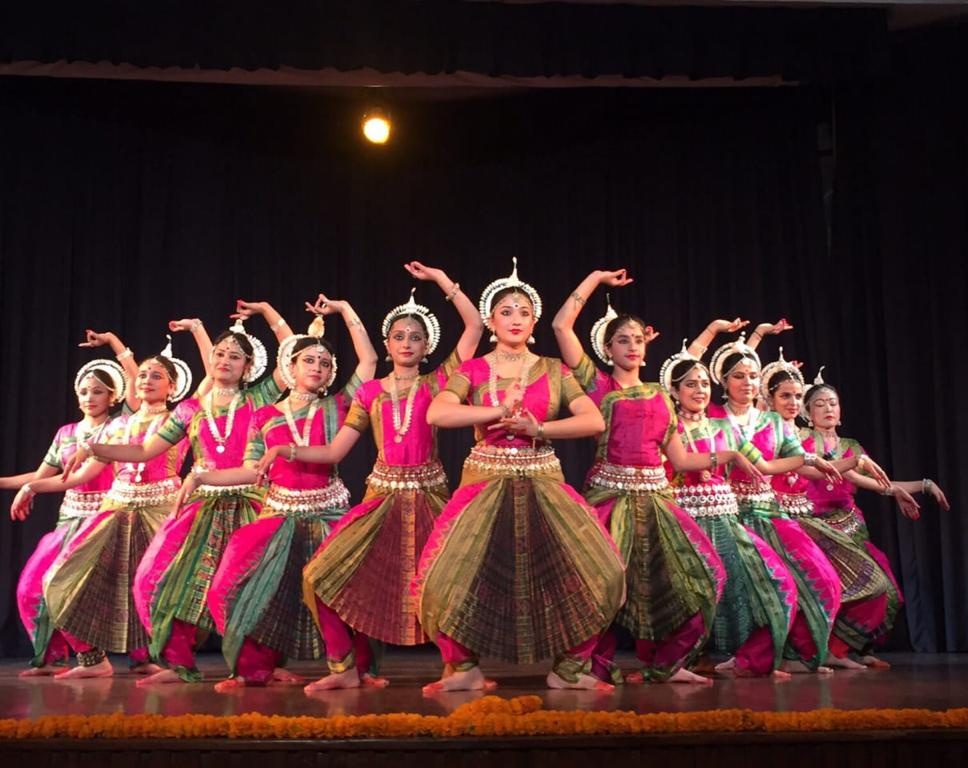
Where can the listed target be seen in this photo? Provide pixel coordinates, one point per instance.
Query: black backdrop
(123, 205)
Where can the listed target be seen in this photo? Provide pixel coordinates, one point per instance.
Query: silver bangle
(30, 491)
(278, 323)
(196, 324)
(926, 485)
(809, 459)
(124, 354)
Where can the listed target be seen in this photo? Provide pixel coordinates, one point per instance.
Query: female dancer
(864, 585)
(255, 595)
(736, 367)
(759, 598)
(517, 566)
(173, 579)
(88, 587)
(835, 505)
(99, 385)
(363, 571)
(673, 575)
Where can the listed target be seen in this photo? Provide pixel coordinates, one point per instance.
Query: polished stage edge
(925, 681)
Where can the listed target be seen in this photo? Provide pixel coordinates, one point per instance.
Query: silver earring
(388, 358)
(610, 361)
(642, 364)
(424, 359)
(493, 339)
(530, 339)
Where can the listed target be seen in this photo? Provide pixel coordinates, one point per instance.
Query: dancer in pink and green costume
(99, 385)
(674, 577)
(518, 565)
(256, 594)
(173, 578)
(836, 506)
(759, 598)
(360, 579)
(736, 367)
(88, 587)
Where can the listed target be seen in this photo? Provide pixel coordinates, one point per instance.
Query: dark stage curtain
(443, 36)
(123, 206)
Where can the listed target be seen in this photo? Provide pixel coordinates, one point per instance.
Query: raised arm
(365, 353)
(763, 329)
(564, 321)
(701, 343)
(197, 329)
(123, 355)
(277, 324)
(473, 325)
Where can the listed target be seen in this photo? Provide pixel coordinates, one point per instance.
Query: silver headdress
(183, 380)
(119, 381)
(284, 357)
(665, 372)
(597, 335)
(413, 308)
(780, 365)
(512, 281)
(260, 358)
(719, 358)
(817, 382)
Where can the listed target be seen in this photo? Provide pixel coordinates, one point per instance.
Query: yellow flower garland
(489, 716)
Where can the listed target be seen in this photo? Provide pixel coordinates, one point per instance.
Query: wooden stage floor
(915, 681)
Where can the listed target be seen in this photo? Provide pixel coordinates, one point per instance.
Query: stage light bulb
(376, 126)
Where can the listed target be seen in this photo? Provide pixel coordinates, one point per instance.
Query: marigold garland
(488, 716)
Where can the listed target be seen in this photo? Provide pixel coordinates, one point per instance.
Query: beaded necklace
(158, 415)
(401, 426)
(209, 412)
(299, 439)
(703, 425)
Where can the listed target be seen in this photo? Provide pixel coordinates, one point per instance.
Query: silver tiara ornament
(285, 354)
(719, 358)
(419, 310)
(119, 381)
(597, 334)
(780, 365)
(817, 382)
(512, 281)
(260, 358)
(665, 372)
(183, 380)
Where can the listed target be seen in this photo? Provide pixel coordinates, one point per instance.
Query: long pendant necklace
(300, 439)
(705, 476)
(209, 412)
(401, 426)
(158, 416)
(492, 379)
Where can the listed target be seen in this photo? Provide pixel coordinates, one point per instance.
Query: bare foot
(635, 678)
(163, 676)
(685, 676)
(229, 684)
(874, 663)
(842, 662)
(348, 679)
(146, 668)
(48, 670)
(469, 680)
(373, 681)
(727, 666)
(102, 669)
(583, 683)
(704, 666)
(282, 675)
(779, 675)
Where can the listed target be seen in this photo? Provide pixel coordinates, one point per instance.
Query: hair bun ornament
(780, 365)
(597, 334)
(119, 381)
(285, 354)
(512, 281)
(719, 357)
(419, 310)
(260, 358)
(183, 381)
(665, 372)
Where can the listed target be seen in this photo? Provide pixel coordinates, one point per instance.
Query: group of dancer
(702, 530)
